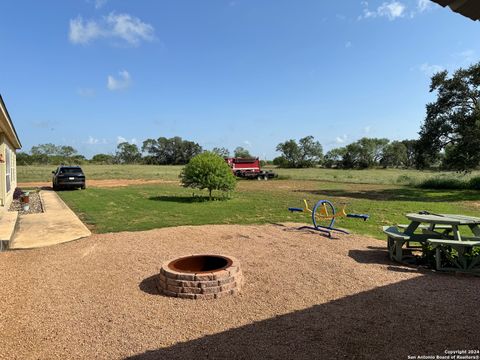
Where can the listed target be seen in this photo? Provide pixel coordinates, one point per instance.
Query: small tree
(223, 152)
(208, 171)
(307, 153)
(394, 155)
(105, 159)
(241, 152)
(128, 153)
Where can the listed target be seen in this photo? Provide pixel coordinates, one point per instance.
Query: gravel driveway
(305, 297)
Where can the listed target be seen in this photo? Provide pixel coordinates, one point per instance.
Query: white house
(9, 143)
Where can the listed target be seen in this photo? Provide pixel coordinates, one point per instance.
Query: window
(8, 163)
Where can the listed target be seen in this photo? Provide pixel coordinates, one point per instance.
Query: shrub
(443, 183)
(405, 179)
(208, 171)
(474, 183)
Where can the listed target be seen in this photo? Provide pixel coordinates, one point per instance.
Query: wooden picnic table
(450, 220)
(442, 232)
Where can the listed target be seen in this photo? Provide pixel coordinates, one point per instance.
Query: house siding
(8, 175)
(9, 143)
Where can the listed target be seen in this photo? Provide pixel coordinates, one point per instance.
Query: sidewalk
(57, 224)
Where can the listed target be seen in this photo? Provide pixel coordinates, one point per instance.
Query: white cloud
(121, 139)
(121, 83)
(82, 32)
(121, 26)
(391, 10)
(430, 69)
(94, 141)
(129, 28)
(247, 143)
(423, 5)
(341, 139)
(367, 129)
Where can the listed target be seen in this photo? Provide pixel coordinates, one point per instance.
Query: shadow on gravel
(425, 315)
(372, 256)
(376, 255)
(149, 285)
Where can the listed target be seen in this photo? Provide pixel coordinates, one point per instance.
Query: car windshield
(71, 170)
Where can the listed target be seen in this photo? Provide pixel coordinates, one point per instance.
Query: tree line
(307, 152)
(161, 151)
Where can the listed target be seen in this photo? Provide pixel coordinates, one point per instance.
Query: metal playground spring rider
(324, 215)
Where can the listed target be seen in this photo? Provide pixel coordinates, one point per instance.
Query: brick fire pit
(200, 277)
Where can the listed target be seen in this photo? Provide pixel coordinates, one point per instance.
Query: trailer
(248, 168)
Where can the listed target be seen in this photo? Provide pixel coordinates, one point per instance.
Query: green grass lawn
(154, 206)
(98, 172)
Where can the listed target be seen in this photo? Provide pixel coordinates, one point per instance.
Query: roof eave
(17, 144)
(467, 8)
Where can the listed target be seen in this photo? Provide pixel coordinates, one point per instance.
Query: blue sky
(226, 73)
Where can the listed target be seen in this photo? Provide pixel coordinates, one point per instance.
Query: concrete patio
(56, 225)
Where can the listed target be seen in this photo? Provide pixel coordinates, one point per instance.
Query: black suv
(68, 177)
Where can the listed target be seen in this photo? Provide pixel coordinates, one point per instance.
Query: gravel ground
(305, 297)
(35, 204)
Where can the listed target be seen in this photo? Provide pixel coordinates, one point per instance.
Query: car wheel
(83, 187)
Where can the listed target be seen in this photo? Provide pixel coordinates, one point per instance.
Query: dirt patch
(305, 296)
(103, 183)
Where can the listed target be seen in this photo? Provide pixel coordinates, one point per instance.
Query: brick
(204, 277)
(186, 296)
(162, 277)
(226, 281)
(169, 293)
(233, 270)
(188, 277)
(220, 275)
(188, 283)
(174, 282)
(191, 290)
(205, 296)
(173, 288)
(211, 290)
(207, 284)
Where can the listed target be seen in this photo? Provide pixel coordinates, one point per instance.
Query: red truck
(248, 168)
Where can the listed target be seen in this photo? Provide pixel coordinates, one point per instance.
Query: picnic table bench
(466, 260)
(441, 232)
(398, 241)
